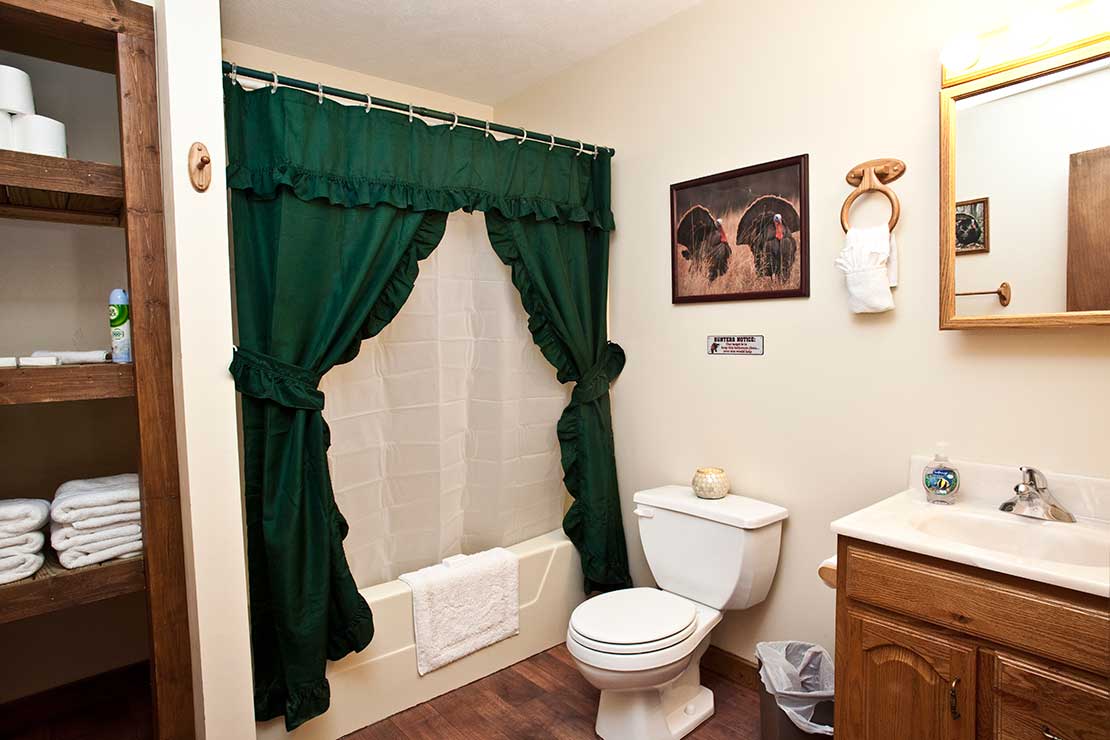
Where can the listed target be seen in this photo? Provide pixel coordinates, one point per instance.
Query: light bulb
(960, 53)
(1031, 31)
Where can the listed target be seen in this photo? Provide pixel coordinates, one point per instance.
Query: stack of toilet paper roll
(20, 128)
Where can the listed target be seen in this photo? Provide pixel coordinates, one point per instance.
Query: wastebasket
(796, 692)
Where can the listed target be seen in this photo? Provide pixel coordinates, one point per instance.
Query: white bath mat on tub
(462, 605)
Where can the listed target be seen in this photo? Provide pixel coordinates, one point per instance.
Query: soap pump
(940, 479)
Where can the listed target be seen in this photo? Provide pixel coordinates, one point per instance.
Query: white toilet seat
(705, 620)
(633, 621)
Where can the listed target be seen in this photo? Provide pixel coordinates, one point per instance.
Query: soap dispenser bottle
(940, 479)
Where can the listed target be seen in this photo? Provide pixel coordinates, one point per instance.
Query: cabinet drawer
(1034, 702)
(1003, 610)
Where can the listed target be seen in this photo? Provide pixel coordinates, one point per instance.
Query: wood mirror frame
(965, 86)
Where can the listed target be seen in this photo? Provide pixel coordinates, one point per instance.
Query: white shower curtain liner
(443, 428)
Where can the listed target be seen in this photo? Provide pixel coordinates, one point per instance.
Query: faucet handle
(1034, 478)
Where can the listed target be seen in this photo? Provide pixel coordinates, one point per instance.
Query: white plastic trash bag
(798, 675)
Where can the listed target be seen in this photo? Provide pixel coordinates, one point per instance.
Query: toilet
(642, 646)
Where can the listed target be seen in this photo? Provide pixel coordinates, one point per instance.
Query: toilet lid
(643, 617)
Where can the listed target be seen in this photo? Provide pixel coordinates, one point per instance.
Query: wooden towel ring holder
(873, 175)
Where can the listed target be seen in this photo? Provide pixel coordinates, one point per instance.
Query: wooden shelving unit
(54, 189)
(114, 36)
(65, 383)
(54, 588)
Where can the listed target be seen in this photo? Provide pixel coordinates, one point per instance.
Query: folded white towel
(19, 566)
(83, 499)
(63, 536)
(74, 358)
(9, 362)
(21, 544)
(869, 261)
(96, 522)
(98, 552)
(29, 361)
(464, 606)
(22, 515)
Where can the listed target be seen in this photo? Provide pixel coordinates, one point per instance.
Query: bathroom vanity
(965, 622)
(937, 650)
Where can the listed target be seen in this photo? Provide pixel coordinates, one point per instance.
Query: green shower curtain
(332, 209)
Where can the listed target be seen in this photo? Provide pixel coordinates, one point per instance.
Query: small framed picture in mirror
(973, 226)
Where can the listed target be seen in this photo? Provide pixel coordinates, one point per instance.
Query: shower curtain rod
(232, 70)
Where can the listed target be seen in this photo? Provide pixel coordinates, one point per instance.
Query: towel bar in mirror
(1025, 154)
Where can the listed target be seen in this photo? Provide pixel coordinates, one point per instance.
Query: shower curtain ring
(454, 122)
(523, 138)
(596, 150)
(320, 93)
(581, 149)
(369, 102)
(552, 144)
(487, 129)
(274, 84)
(410, 112)
(234, 76)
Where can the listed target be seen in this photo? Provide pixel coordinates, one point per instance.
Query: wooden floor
(546, 697)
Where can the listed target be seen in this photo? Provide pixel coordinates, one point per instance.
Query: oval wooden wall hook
(200, 167)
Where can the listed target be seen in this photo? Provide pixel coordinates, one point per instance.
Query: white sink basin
(1075, 556)
(1028, 539)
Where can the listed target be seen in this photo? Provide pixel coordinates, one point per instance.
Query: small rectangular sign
(734, 344)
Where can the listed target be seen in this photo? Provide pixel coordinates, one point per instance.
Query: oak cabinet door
(1040, 702)
(903, 683)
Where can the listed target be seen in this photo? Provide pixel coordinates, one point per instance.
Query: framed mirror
(1025, 193)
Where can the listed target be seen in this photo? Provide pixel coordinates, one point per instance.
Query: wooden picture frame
(742, 234)
(982, 222)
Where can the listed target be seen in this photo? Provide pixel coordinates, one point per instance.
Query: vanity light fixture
(960, 53)
(1031, 31)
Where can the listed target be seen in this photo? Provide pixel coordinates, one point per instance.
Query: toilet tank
(719, 552)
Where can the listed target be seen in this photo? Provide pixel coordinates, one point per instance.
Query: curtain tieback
(263, 376)
(594, 383)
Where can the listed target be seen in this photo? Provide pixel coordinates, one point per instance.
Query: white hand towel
(869, 261)
(463, 607)
(17, 567)
(83, 499)
(21, 544)
(22, 515)
(98, 552)
(74, 358)
(63, 537)
(96, 522)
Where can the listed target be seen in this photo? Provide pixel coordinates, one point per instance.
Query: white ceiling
(480, 50)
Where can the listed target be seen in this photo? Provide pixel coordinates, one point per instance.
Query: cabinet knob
(1049, 735)
(954, 698)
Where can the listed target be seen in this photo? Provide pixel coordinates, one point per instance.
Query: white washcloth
(96, 522)
(74, 358)
(63, 536)
(17, 567)
(9, 362)
(869, 261)
(22, 515)
(463, 607)
(21, 544)
(94, 497)
(98, 552)
(29, 361)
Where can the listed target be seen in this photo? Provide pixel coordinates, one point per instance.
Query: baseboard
(736, 669)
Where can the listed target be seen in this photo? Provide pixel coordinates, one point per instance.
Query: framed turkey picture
(742, 235)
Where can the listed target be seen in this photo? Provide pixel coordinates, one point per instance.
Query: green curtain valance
(352, 158)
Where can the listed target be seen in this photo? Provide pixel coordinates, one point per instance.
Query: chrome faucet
(1032, 499)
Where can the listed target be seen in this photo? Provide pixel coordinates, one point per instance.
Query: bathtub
(382, 679)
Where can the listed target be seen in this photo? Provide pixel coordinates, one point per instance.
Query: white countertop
(974, 532)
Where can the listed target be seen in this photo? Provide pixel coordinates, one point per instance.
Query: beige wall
(825, 422)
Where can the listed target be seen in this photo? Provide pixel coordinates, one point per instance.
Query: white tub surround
(973, 531)
(382, 680)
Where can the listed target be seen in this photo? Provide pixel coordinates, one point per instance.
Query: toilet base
(665, 712)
